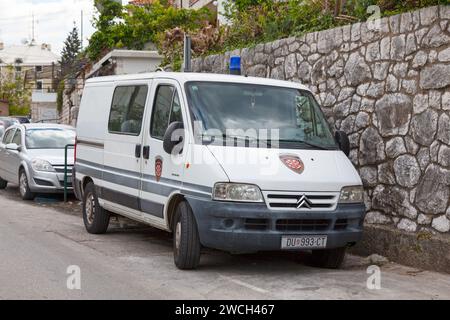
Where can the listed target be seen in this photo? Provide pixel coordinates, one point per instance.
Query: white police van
(233, 163)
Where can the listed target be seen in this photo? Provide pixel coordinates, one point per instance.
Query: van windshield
(287, 117)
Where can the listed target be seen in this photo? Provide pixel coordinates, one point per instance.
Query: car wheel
(96, 219)
(3, 184)
(328, 258)
(186, 241)
(24, 187)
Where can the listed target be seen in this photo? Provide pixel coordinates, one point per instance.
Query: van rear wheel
(328, 258)
(96, 219)
(186, 241)
(3, 184)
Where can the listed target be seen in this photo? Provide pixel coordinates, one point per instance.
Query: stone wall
(387, 84)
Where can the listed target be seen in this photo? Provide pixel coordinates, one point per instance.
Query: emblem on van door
(158, 168)
(293, 162)
(304, 202)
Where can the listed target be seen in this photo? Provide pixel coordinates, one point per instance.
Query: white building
(36, 63)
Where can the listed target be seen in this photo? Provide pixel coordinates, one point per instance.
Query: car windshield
(49, 138)
(248, 112)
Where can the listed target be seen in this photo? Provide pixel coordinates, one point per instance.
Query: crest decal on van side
(158, 168)
(293, 162)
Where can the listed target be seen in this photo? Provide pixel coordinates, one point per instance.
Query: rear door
(161, 172)
(123, 144)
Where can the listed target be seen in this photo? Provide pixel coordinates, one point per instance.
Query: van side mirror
(173, 137)
(343, 142)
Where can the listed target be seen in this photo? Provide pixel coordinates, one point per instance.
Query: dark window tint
(8, 136)
(127, 109)
(167, 109)
(17, 138)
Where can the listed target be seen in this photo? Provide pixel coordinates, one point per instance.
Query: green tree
(133, 27)
(70, 52)
(12, 89)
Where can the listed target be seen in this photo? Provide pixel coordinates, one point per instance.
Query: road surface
(38, 243)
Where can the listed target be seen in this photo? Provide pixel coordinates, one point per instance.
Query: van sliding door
(123, 146)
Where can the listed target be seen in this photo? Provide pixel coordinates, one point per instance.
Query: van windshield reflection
(236, 114)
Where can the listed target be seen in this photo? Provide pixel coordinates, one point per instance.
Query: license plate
(303, 242)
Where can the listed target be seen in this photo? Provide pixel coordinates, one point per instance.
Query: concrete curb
(419, 250)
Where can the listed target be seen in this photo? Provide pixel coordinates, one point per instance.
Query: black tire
(328, 258)
(186, 241)
(3, 184)
(96, 219)
(24, 187)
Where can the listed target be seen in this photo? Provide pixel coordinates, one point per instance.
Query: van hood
(324, 170)
(54, 156)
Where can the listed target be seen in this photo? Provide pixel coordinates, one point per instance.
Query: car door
(122, 147)
(161, 172)
(14, 156)
(5, 156)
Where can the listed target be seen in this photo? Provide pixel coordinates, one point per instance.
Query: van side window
(127, 110)
(17, 138)
(8, 136)
(166, 109)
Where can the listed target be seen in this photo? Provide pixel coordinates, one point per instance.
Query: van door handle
(137, 151)
(146, 152)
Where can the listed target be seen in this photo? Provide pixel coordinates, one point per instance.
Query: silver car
(32, 156)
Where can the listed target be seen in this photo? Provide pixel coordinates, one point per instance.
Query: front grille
(69, 183)
(60, 169)
(256, 224)
(309, 201)
(302, 224)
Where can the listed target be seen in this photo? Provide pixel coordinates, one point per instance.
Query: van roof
(184, 77)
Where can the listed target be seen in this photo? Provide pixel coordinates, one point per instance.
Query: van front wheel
(186, 241)
(3, 184)
(328, 258)
(96, 219)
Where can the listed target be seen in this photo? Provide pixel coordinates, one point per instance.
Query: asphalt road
(38, 242)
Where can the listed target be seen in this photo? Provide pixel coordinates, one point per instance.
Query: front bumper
(249, 227)
(49, 182)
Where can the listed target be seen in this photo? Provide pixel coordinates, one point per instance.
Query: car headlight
(237, 192)
(42, 165)
(352, 194)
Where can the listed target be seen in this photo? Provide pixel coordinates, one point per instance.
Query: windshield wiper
(306, 143)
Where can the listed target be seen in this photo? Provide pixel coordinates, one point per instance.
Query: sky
(54, 19)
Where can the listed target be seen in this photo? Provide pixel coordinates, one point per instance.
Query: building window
(39, 85)
(38, 68)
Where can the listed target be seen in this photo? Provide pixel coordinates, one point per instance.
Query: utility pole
(32, 29)
(81, 27)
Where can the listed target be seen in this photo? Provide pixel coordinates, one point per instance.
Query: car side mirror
(343, 142)
(174, 137)
(13, 147)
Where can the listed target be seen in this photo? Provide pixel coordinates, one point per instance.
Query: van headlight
(352, 194)
(237, 192)
(42, 165)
